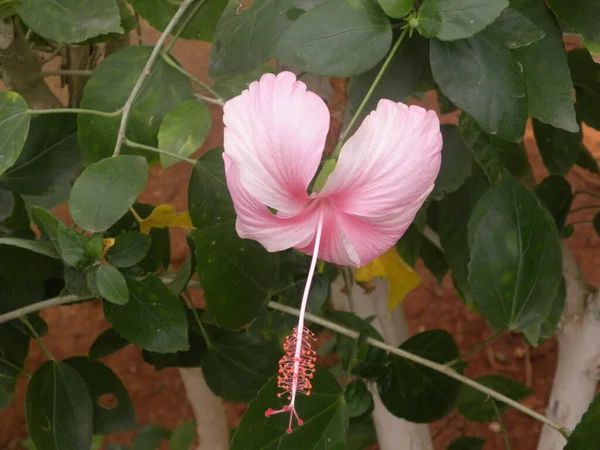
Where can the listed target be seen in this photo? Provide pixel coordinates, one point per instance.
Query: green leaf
(582, 19)
(359, 398)
(559, 148)
(361, 434)
(14, 126)
(105, 191)
(182, 276)
(199, 23)
(108, 89)
(232, 86)
(587, 160)
(449, 20)
(585, 73)
(50, 158)
(209, 201)
(111, 284)
(466, 443)
(40, 247)
(113, 409)
(183, 131)
(397, 8)
(245, 261)
(324, 413)
(362, 38)
(76, 249)
(107, 343)
(539, 333)
(183, 437)
(479, 407)
(7, 203)
(70, 21)
(587, 433)
(236, 366)
(59, 408)
(150, 438)
(409, 245)
(153, 318)
(483, 78)
(516, 264)
(129, 249)
(414, 392)
(16, 253)
(188, 358)
(36, 322)
(47, 223)
(14, 347)
(555, 194)
(548, 84)
(456, 163)
(514, 30)
(18, 293)
(399, 79)
(245, 37)
(76, 282)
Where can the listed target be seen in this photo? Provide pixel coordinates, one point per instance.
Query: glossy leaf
(14, 126)
(457, 19)
(40, 247)
(70, 21)
(76, 249)
(47, 223)
(539, 333)
(414, 392)
(514, 30)
(456, 163)
(466, 443)
(397, 8)
(582, 19)
(236, 366)
(50, 157)
(14, 347)
(324, 413)
(59, 408)
(129, 249)
(186, 359)
(108, 89)
(105, 191)
(107, 343)
(358, 398)
(585, 73)
(183, 131)
(555, 194)
(113, 409)
(516, 266)
(587, 433)
(477, 406)
(243, 260)
(111, 285)
(153, 318)
(434, 259)
(363, 37)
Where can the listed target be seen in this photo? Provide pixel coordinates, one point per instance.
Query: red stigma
(289, 431)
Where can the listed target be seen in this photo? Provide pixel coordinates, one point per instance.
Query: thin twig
(68, 73)
(158, 150)
(37, 337)
(214, 101)
(93, 112)
(145, 73)
(477, 348)
(21, 312)
(52, 55)
(432, 237)
(184, 24)
(502, 427)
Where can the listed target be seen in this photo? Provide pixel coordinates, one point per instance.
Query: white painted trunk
(211, 422)
(392, 433)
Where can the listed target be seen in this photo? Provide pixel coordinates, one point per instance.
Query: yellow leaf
(401, 277)
(106, 245)
(164, 216)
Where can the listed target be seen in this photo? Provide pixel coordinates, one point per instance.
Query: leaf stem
(30, 327)
(184, 24)
(135, 215)
(158, 150)
(39, 112)
(167, 58)
(68, 73)
(360, 108)
(502, 427)
(190, 305)
(476, 348)
(214, 101)
(145, 73)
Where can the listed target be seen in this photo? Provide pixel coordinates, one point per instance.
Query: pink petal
(255, 221)
(275, 134)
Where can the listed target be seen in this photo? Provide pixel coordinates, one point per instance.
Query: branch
(56, 301)
(145, 72)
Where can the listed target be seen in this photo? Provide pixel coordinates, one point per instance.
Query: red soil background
(159, 397)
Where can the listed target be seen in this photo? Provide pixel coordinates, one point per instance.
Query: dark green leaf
(483, 78)
(183, 437)
(68, 21)
(245, 261)
(150, 438)
(358, 398)
(59, 408)
(7, 203)
(516, 265)
(159, 254)
(324, 413)
(16, 253)
(434, 259)
(514, 30)
(236, 366)
(50, 157)
(544, 65)
(555, 194)
(229, 87)
(129, 249)
(477, 406)
(39, 247)
(113, 410)
(153, 318)
(183, 131)
(188, 358)
(245, 37)
(587, 160)
(466, 443)
(76, 282)
(76, 249)
(457, 19)
(105, 191)
(182, 276)
(397, 8)
(199, 23)
(456, 163)
(414, 392)
(362, 38)
(36, 322)
(14, 125)
(409, 246)
(361, 434)
(209, 201)
(111, 284)
(47, 223)
(16, 294)
(582, 18)
(14, 347)
(585, 73)
(587, 433)
(107, 343)
(539, 333)
(108, 89)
